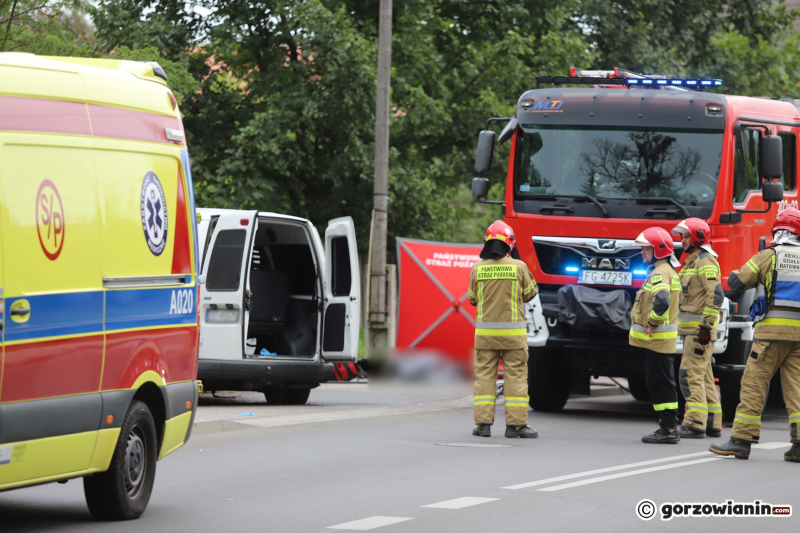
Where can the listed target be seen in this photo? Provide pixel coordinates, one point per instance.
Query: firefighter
(775, 274)
(498, 286)
(697, 323)
(654, 329)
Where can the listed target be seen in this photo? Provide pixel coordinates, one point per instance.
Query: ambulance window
(789, 142)
(211, 225)
(225, 268)
(341, 266)
(745, 165)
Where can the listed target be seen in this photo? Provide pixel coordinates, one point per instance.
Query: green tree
(34, 26)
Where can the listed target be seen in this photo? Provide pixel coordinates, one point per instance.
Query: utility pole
(378, 332)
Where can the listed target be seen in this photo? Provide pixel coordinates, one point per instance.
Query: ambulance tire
(549, 379)
(638, 387)
(123, 491)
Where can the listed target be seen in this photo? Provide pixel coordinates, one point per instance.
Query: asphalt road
(400, 460)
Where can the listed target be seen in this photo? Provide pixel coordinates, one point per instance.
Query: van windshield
(618, 163)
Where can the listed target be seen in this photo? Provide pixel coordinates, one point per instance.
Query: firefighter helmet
(659, 239)
(500, 231)
(788, 219)
(499, 240)
(697, 230)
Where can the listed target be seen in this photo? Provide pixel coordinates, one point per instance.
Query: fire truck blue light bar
(678, 82)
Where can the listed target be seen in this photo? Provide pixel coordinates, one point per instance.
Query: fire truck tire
(638, 387)
(549, 379)
(123, 491)
(730, 383)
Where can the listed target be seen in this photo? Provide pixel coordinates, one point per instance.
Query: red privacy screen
(434, 310)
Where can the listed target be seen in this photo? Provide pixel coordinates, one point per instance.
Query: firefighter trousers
(660, 372)
(697, 385)
(515, 379)
(765, 359)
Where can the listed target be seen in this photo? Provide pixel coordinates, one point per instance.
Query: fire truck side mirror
(770, 159)
(480, 187)
(483, 157)
(772, 191)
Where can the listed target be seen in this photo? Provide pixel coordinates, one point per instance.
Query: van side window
(745, 165)
(789, 142)
(341, 267)
(225, 269)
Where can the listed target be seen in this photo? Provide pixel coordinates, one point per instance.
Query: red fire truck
(591, 167)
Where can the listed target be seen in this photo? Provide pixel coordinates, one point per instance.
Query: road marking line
(460, 503)
(632, 473)
(365, 524)
(473, 445)
(604, 470)
(771, 445)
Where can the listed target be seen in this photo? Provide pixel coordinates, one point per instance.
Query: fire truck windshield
(617, 163)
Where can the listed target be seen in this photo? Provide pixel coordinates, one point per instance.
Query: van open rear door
(342, 319)
(222, 303)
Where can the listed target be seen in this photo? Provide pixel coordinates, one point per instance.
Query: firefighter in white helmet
(697, 324)
(498, 286)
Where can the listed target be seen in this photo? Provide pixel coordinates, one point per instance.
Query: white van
(277, 308)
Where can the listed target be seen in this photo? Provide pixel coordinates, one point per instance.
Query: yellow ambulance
(98, 269)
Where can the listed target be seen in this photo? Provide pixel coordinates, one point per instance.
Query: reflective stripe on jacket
(656, 307)
(499, 288)
(702, 293)
(781, 322)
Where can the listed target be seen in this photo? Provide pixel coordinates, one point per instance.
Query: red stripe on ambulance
(120, 123)
(42, 115)
(181, 256)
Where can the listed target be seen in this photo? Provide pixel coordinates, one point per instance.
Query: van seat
(270, 299)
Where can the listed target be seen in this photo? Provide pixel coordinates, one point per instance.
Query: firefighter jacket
(656, 307)
(775, 274)
(499, 287)
(702, 293)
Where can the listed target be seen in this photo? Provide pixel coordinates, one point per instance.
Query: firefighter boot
(482, 430)
(686, 432)
(710, 430)
(523, 432)
(735, 447)
(667, 432)
(793, 454)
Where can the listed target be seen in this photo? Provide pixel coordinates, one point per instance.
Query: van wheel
(549, 379)
(287, 397)
(297, 397)
(638, 388)
(123, 491)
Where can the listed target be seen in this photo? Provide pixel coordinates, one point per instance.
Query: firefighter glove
(704, 336)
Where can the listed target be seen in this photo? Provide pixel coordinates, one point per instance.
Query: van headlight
(222, 316)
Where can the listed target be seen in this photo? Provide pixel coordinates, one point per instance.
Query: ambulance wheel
(638, 387)
(123, 491)
(549, 380)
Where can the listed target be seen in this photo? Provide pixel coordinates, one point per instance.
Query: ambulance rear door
(342, 318)
(223, 293)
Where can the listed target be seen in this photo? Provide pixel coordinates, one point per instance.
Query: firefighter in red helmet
(775, 274)
(654, 329)
(697, 324)
(498, 286)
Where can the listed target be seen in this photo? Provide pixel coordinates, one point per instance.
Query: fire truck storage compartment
(283, 283)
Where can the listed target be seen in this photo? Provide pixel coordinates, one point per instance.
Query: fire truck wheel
(638, 388)
(730, 383)
(122, 491)
(549, 379)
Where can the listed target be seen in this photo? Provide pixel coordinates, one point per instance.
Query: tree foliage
(278, 96)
